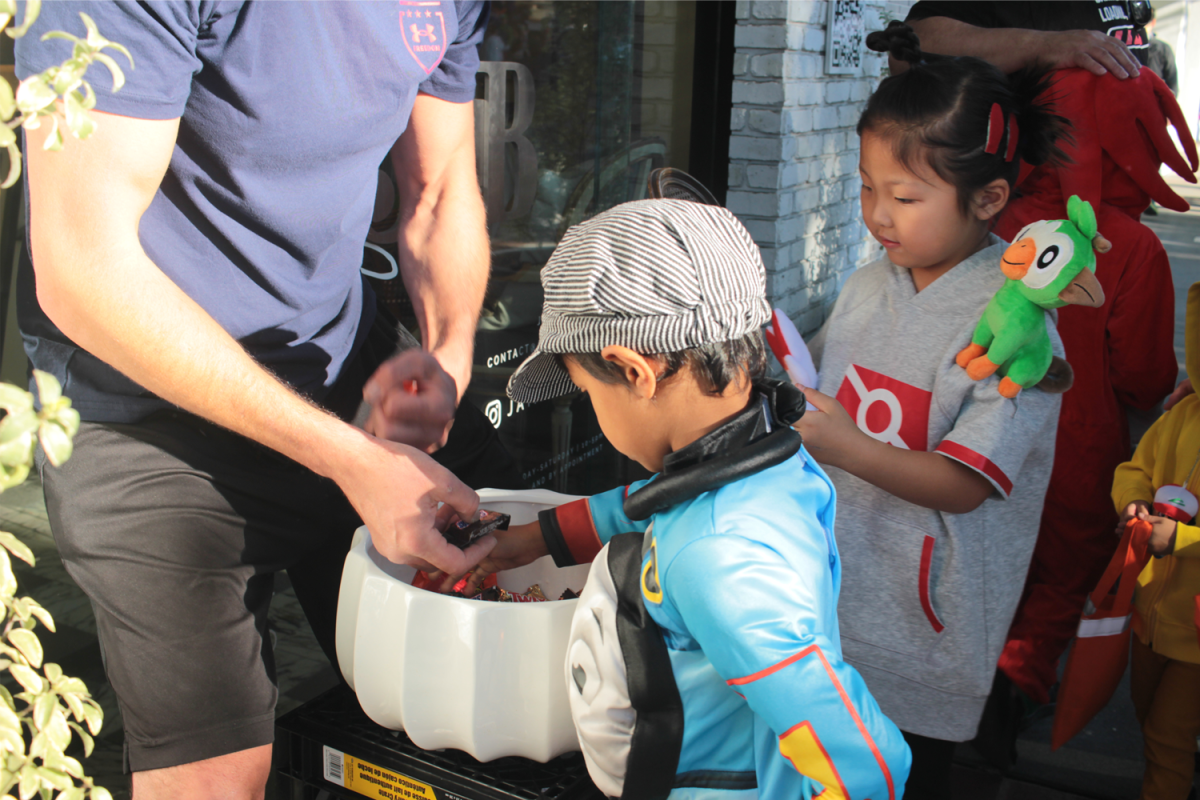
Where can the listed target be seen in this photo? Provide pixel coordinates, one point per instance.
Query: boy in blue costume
(655, 308)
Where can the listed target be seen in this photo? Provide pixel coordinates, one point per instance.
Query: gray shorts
(174, 529)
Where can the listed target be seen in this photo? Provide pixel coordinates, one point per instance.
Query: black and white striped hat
(657, 276)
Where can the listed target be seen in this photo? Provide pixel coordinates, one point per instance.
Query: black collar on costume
(756, 439)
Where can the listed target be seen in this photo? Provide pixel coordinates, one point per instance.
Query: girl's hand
(515, 547)
(1162, 540)
(1138, 509)
(829, 433)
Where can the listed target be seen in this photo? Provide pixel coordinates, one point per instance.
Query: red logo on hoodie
(885, 408)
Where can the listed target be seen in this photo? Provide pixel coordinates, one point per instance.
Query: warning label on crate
(372, 781)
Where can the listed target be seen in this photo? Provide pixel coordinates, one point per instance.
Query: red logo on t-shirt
(424, 29)
(886, 409)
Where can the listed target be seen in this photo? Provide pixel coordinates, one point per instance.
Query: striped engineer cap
(657, 276)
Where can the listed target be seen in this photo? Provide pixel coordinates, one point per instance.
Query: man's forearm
(445, 259)
(1010, 49)
(443, 243)
(120, 307)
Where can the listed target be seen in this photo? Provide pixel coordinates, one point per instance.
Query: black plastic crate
(401, 769)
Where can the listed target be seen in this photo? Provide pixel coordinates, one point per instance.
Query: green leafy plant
(59, 93)
(38, 724)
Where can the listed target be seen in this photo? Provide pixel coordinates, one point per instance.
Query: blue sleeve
(759, 621)
(608, 512)
(161, 37)
(454, 78)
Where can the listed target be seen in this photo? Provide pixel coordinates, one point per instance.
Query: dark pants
(929, 778)
(174, 528)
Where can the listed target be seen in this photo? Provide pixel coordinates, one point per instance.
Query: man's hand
(396, 490)
(1181, 391)
(412, 401)
(1012, 49)
(1094, 51)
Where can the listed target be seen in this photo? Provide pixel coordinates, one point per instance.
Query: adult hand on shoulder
(1094, 51)
(396, 490)
(412, 401)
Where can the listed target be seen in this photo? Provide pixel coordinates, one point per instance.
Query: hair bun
(898, 40)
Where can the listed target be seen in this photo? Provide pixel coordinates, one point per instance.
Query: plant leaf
(14, 398)
(43, 709)
(27, 642)
(93, 716)
(88, 741)
(8, 581)
(14, 167)
(57, 730)
(34, 93)
(18, 423)
(42, 614)
(55, 442)
(16, 547)
(100, 793)
(32, 9)
(26, 677)
(67, 417)
(117, 75)
(29, 782)
(48, 387)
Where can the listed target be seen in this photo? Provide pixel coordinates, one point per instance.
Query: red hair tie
(995, 129)
(1013, 133)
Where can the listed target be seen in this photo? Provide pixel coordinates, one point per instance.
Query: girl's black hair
(715, 365)
(938, 110)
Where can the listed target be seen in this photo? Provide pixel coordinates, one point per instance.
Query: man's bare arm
(444, 249)
(99, 287)
(1010, 49)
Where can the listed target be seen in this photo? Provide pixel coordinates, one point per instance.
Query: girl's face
(915, 216)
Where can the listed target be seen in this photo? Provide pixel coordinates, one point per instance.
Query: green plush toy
(1050, 264)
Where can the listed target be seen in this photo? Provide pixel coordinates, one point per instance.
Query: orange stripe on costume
(803, 748)
(578, 530)
(862, 728)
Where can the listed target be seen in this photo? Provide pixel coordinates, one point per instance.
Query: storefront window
(577, 103)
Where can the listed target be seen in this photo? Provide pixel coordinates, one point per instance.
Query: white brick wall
(793, 153)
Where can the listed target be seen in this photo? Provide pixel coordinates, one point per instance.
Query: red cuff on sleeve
(578, 530)
(976, 461)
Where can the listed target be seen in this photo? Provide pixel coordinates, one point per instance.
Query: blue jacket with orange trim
(743, 582)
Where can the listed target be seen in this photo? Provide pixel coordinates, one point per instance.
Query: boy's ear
(991, 199)
(639, 372)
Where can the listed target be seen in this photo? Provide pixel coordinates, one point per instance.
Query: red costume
(1122, 353)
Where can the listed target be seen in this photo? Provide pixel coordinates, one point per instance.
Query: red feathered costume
(1122, 353)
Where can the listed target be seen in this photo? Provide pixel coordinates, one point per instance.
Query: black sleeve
(1170, 74)
(979, 14)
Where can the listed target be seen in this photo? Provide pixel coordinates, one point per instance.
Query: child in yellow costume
(1160, 485)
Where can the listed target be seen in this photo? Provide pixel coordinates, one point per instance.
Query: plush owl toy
(1050, 264)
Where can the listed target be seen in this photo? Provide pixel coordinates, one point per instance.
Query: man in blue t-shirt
(195, 285)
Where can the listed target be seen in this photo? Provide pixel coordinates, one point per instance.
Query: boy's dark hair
(939, 109)
(715, 365)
